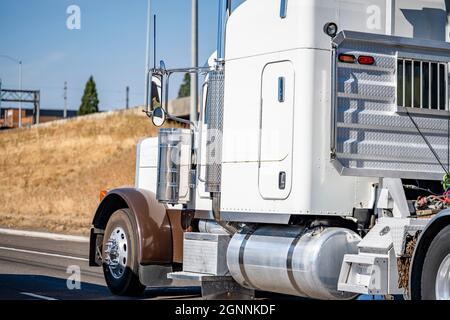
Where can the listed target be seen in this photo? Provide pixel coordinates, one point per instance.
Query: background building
(9, 117)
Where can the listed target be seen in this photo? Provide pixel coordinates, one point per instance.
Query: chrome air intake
(292, 260)
(174, 161)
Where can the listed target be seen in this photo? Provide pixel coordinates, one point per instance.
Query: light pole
(19, 62)
(194, 60)
(20, 88)
(65, 100)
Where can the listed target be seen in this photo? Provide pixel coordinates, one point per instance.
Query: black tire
(128, 283)
(438, 250)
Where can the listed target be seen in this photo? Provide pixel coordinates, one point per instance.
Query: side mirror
(156, 92)
(159, 116)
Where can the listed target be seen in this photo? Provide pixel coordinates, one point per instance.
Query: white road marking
(44, 253)
(37, 296)
(45, 235)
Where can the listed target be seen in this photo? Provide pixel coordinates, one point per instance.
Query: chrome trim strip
(390, 40)
(363, 67)
(376, 173)
(333, 103)
(425, 111)
(345, 125)
(369, 157)
(364, 97)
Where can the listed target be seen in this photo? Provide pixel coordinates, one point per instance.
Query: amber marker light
(347, 58)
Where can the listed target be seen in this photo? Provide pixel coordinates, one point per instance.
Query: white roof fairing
(255, 27)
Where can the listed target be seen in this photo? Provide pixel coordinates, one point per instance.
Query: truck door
(276, 124)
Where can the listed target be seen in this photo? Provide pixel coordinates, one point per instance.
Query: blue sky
(110, 45)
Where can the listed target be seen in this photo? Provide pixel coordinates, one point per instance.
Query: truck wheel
(435, 282)
(120, 263)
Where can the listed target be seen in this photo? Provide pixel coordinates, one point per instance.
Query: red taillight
(347, 58)
(368, 60)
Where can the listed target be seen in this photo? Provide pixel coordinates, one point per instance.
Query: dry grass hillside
(50, 176)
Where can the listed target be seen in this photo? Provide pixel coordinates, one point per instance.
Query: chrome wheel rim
(116, 252)
(443, 280)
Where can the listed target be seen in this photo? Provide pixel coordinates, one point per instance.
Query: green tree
(185, 88)
(89, 102)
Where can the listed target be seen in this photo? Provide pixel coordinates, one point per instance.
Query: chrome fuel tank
(292, 260)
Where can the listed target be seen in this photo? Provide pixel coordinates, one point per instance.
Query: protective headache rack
(390, 106)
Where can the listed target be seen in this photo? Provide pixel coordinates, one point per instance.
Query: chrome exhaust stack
(224, 13)
(215, 117)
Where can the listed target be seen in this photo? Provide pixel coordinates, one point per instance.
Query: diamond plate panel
(371, 136)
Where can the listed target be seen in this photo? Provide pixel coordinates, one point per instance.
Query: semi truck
(318, 166)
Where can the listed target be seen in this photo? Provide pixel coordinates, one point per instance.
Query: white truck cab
(316, 166)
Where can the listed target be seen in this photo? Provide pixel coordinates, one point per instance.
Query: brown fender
(152, 223)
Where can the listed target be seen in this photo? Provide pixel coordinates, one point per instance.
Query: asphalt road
(39, 269)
